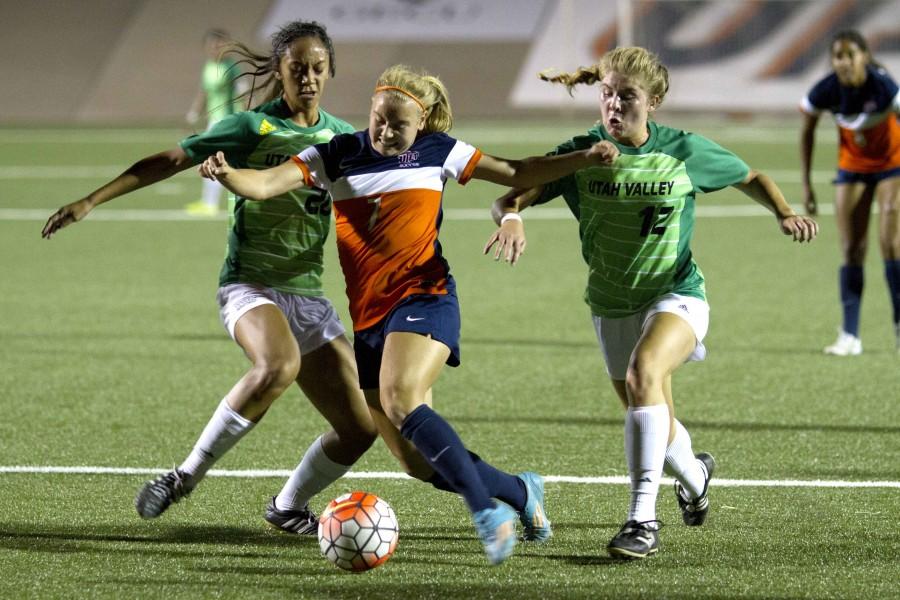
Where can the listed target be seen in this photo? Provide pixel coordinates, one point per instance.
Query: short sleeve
(232, 135)
(557, 188)
(821, 97)
(312, 164)
(711, 167)
(892, 90)
(461, 162)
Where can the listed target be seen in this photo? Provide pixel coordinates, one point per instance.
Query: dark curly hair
(261, 68)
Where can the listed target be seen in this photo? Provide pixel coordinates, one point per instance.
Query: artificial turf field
(112, 358)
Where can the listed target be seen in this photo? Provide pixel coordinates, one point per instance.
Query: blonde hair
(636, 62)
(427, 91)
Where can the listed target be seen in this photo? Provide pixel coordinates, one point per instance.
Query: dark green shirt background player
(636, 218)
(270, 293)
(278, 243)
(646, 294)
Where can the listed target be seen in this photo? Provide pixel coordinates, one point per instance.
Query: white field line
(450, 214)
(607, 480)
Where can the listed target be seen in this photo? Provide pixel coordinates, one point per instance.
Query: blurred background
(138, 61)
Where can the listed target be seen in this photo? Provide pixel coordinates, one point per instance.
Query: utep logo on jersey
(408, 159)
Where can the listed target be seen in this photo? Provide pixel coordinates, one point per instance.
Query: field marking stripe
(451, 214)
(607, 480)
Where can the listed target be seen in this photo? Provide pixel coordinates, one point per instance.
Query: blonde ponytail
(633, 61)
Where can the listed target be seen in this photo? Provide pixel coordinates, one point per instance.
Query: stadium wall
(138, 61)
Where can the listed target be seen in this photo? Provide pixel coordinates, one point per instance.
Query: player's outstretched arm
(250, 183)
(146, 171)
(761, 188)
(538, 170)
(509, 240)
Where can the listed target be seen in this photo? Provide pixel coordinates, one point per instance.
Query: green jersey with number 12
(277, 243)
(636, 217)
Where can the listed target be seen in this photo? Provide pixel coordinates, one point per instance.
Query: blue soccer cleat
(535, 524)
(497, 529)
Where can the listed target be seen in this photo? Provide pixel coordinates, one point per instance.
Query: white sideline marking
(608, 480)
(450, 214)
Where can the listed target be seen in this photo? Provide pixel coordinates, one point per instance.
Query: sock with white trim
(646, 434)
(225, 428)
(314, 473)
(683, 465)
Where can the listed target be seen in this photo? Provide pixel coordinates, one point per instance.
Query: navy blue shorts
(436, 315)
(867, 178)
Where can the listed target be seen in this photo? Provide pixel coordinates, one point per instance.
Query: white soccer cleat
(846, 344)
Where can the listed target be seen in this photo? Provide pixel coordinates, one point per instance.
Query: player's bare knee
(640, 381)
(275, 375)
(399, 396)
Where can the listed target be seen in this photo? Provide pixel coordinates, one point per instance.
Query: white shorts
(618, 337)
(312, 319)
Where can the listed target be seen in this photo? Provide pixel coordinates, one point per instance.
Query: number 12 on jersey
(653, 218)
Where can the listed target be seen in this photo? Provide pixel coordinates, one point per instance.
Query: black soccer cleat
(157, 495)
(694, 511)
(300, 522)
(635, 540)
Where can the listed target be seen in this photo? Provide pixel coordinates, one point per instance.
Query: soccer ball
(358, 531)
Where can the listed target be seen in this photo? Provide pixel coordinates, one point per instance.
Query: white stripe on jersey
(856, 121)
(316, 165)
(809, 108)
(458, 159)
(395, 180)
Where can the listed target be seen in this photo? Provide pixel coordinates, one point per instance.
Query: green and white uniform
(636, 217)
(277, 243)
(217, 81)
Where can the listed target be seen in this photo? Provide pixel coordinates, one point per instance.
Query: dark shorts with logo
(435, 315)
(867, 178)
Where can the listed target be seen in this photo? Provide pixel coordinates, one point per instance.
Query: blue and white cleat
(497, 529)
(535, 524)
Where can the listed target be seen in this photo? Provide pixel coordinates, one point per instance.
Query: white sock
(683, 465)
(646, 434)
(314, 473)
(212, 192)
(223, 431)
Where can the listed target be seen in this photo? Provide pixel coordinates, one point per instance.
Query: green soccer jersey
(217, 81)
(636, 217)
(277, 243)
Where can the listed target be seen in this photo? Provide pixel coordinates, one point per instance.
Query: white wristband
(510, 216)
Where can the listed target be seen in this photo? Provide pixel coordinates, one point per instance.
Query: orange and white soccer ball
(358, 531)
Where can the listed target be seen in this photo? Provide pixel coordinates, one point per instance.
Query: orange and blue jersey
(866, 118)
(388, 212)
